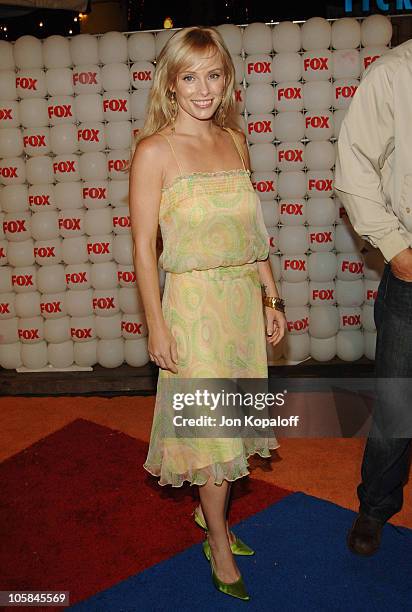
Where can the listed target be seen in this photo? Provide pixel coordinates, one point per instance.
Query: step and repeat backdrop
(68, 112)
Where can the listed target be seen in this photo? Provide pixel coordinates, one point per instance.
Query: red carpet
(79, 513)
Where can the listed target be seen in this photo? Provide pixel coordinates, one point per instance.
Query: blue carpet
(302, 563)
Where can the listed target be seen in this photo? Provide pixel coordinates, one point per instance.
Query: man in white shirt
(374, 182)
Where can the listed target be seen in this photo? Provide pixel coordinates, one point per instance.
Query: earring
(174, 109)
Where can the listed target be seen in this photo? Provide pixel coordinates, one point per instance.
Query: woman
(185, 175)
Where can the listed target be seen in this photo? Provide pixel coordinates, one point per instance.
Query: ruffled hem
(231, 470)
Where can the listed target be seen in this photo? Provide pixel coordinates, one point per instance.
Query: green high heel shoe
(234, 589)
(238, 547)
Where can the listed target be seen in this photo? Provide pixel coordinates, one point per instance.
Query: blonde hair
(176, 55)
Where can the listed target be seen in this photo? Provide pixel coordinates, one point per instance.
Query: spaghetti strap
(237, 147)
(173, 151)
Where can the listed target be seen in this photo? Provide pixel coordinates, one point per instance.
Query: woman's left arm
(275, 319)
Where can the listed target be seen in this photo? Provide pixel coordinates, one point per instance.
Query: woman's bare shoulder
(152, 148)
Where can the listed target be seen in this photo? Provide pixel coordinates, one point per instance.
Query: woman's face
(200, 87)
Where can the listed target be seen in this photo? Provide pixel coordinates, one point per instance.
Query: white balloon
(42, 197)
(287, 66)
(322, 293)
(30, 330)
(347, 241)
(368, 55)
(161, 39)
(75, 250)
(293, 240)
(104, 276)
(350, 266)
(324, 321)
(296, 347)
(288, 96)
(11, 142)
(343, 92)
(91, 137)
(320, 155)
(83, 328)
(7, 305)
(9, 331)
(36, 141)
(98, 221)
(123, 249)
(295, 294)
(349, 317)
(89, 107)
(318, 125)
(110, 353)
(66, 168)
(316, 34)
(292, 211)
(51, 279)
(286, 37)
(12, 171)
(93, 166)
(321, 238)
(17, 226)
(78, 276)
(138, 105)
(349, 345)
(126, 275)
(8, 85)
(317, 95)
(288, 126)
(368, 321)
(100, 248)
(53, 305)
(48, 252)
(56, 52)
(265, 184)
(61, 109)
(87, 79)
(349, 293)
(258, 69)
(34, 356)
(113, 47)
(63, 138)
(57, 330)
(257, 38)
(135, 352)
(28, 52)
(9, 113)
(260, 128)
(291, 156)
(294, 268)
(4, 246)
(273, 233)
(20, 253)
(40, 170)
(10, 356)
(260, 98)
(6, 56)
(106, 302)
(239, 64)
(141, 46)
(130, 300)
(109, 327)
(134, 326)
(60, 355)
(115, 76)
(33, 113)
(263, 157)
(116, 104)
(369, 344)
(292, 185)
(118, 164)
(120, 220)
(79, 303)
(5, 280)
(31, 83)
(44, 225)
(14, 198)
(119, 134)
(323, 349)
(85, 353)
(118, 193)
(322, 266)
(59, 81)
(338, 117)
(96, 194)
(376, 30)
(84, 48)
(346, 64)
(71, 222)
(317, 65)
(141, 76)
(320, 183)
(69, 195)
(346, 33)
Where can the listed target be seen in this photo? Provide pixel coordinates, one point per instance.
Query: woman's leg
(214, 500)
(230, 534)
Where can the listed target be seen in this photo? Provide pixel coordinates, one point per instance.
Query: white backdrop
(68, 109)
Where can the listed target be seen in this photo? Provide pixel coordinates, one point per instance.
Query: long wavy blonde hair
(175, 57)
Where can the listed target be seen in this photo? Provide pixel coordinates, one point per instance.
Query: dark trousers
(386, 460)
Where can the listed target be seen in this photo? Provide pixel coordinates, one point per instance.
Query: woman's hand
(162, 348)
(275, 325)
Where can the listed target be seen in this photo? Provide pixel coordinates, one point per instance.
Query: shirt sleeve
(365, 142)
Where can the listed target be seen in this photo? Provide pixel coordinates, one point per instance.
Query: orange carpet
(326, 468)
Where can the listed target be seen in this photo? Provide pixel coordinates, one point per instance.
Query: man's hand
(401, 265)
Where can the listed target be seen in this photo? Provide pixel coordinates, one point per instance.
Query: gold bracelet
(274, 302)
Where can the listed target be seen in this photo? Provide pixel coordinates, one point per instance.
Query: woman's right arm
(145, 183)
